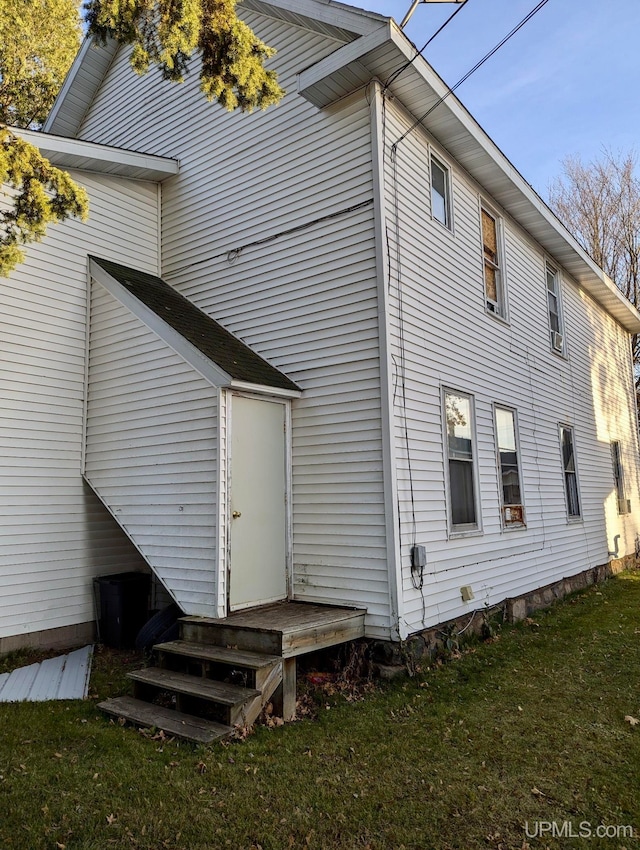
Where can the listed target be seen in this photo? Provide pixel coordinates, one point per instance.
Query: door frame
(288, 485)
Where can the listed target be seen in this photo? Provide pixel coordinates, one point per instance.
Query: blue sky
(567, 83)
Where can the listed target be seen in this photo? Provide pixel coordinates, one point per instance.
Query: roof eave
(67, 153)
(337, 16)
(80, 87)
(386, 49)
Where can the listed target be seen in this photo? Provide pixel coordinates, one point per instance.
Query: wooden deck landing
(286, 629)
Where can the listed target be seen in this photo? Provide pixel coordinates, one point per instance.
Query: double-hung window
(440, 192)
(624, 506)
(493, 263)
(555, 314)
(509, 467)
(567, 447)
(460, 446)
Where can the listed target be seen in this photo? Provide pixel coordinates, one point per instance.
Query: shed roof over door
(189, 330)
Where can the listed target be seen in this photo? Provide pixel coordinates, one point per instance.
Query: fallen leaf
(111, 819)
(633, 721)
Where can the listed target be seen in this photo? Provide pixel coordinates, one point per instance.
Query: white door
(258, 562)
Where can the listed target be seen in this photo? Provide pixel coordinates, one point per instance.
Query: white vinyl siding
(151, 452)
(305, 300)
(55, 535)
(448, 340)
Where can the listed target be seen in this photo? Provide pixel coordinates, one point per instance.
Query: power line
(479, 64)
(401, 70)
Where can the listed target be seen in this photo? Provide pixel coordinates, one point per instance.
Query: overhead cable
(492, 52)
(401, 70)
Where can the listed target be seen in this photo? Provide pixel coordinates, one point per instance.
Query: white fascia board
(316, 74)
(357, 63)
(182, 347)
(263, 389)
(68, 82)
(64, 152)
(329, 12)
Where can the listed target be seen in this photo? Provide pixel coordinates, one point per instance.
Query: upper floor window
(460, 444)
(570, 472)
(493, 272)
(624, 505)
(440, 192)
(555, 314)
(509, 467)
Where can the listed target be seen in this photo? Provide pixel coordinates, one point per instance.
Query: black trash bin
(123, 607)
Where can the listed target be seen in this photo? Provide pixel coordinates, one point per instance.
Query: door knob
(236, 514)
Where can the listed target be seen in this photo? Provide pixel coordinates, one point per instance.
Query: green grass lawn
(525, 729)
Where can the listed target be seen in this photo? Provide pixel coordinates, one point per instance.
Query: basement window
(570, 472)
(460, 451)
(493, 263)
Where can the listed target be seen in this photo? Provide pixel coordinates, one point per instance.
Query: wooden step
(218, 654)
(185, 726)
(194, 686)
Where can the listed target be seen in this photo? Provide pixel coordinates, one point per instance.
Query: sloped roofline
(94, 59)
(381, 53)
(214, 352)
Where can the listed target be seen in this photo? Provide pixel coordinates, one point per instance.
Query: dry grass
(529, 727)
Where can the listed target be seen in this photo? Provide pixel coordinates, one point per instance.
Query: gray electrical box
(418, 557)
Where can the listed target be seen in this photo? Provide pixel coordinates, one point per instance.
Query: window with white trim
(567, 446)
(624, 505)
(555, 310)
(440, 192)
(492, 258)
(509, 467)
(460, 445)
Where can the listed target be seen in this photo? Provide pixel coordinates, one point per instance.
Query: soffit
(80, 87)
(69, 153)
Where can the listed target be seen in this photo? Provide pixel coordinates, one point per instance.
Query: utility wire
(232, 254)
(401, 70)
(493, 51)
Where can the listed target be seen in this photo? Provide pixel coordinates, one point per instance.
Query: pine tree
(166, 33)
(38, 39)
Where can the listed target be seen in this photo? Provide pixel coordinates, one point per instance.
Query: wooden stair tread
(220, 692)
(176, 723)
(221, 654)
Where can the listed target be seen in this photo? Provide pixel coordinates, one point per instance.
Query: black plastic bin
(123, 607)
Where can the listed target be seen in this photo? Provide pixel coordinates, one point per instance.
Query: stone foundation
(65, 637)
(392, 657)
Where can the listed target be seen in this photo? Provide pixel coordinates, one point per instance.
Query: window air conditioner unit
(624, 506)
(557, 341)
(513, 515)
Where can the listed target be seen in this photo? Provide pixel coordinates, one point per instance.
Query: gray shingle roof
(216, 343)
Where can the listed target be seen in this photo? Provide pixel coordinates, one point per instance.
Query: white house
(337, 352)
